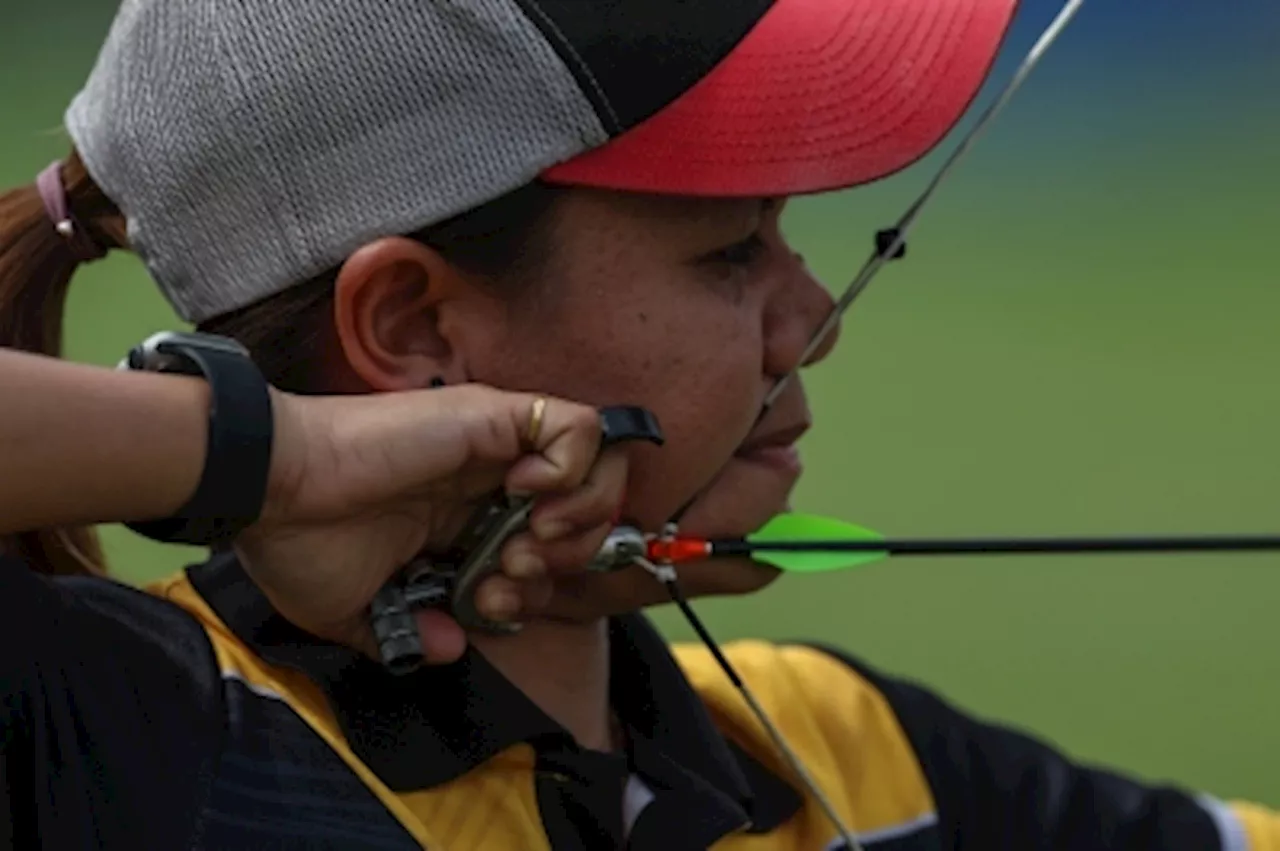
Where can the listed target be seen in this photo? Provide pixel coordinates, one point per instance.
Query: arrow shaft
(1000, 546)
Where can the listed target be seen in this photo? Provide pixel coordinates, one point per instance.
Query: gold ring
(535, 420)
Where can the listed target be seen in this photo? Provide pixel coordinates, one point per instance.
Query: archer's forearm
(83, 444)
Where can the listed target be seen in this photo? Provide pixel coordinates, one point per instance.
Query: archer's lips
(776, 450)
(784, 459)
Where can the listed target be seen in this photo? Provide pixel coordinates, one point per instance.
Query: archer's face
(693, 309)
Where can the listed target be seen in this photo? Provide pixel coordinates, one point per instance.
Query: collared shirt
(194, 717)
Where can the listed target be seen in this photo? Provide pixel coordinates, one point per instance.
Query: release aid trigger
(618, 425)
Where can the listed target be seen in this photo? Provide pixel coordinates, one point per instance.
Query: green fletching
(794, 527)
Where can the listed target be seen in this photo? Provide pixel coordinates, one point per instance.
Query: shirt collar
(430, 727)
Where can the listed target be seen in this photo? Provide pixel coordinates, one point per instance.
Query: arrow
(807, 543)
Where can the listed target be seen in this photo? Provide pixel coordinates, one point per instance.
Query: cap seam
(577, 66)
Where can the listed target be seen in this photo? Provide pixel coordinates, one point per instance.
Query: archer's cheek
(726, 577)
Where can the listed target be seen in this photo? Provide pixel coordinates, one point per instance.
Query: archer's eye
(739, 254)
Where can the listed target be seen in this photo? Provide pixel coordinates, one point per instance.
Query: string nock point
(664, 573)
(665, 550)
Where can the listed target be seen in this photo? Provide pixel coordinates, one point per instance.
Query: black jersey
(191, 716)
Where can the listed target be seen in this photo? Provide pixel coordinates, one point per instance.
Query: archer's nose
(794, 316)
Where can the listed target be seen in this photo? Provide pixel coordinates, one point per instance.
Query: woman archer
(497, 198)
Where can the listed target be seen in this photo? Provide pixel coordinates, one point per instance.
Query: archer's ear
(394, 303)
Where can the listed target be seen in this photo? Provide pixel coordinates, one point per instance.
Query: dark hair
(505, 241)
(287, 333)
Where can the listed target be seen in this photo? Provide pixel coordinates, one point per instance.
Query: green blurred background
(1082, 340)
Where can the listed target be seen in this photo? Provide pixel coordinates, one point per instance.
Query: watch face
(175, 340)
(169, 351)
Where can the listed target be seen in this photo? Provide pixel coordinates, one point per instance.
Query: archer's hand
(360, 485)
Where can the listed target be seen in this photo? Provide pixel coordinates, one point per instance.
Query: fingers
(525, 558)
(443, 641)
(500, 598)
(566, 531)
(555, 446)
(595, 502)
(564, 448)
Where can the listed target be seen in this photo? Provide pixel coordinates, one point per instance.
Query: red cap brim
(820, 95)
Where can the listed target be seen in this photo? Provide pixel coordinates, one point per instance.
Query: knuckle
(584, 419)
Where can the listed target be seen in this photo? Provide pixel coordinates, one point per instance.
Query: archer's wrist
(289, 453)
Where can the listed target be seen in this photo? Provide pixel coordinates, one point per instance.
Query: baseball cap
(255, 144)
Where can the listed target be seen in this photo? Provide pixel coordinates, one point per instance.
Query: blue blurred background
(1083, 339)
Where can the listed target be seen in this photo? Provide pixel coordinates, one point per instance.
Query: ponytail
(38, 257)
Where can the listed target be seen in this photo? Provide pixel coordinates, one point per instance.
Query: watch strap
(233, 483)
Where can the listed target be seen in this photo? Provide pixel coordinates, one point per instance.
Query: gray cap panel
(253, 144)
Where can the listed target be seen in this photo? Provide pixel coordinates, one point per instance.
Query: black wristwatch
(233, 484)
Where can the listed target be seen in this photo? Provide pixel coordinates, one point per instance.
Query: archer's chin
(744, 497)
(726, 577)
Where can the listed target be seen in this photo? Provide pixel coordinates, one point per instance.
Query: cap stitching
(908, 113)
(531, 8)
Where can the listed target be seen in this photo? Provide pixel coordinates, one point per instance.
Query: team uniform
(191, 716)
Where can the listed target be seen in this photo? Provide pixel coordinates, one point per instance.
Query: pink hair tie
(54, 195)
